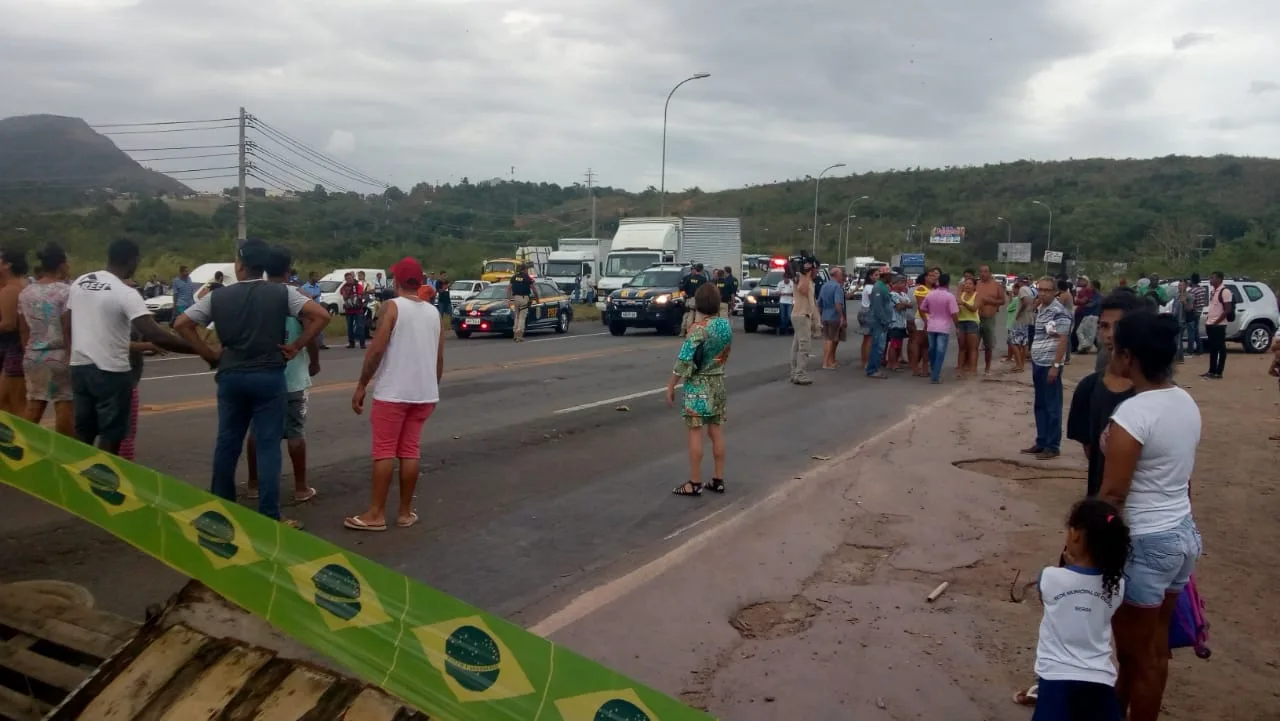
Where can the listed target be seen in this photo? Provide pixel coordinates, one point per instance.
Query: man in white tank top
(402, 368)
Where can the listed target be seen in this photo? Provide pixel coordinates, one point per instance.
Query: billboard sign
(1053, 256)
(947, 234)
(1014, 253)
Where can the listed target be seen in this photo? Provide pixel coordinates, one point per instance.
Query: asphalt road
(537, 482)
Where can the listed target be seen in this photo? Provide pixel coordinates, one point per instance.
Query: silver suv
(1257, 315)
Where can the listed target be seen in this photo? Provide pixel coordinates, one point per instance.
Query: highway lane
(536, 483)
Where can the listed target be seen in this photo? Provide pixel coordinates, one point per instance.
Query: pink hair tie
(1110, 516)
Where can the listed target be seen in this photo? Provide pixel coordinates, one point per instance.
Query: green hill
(56, 161)
(1160, 214)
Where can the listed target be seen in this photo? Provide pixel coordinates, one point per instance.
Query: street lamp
(662, 203)
(849, 227)
(1008, 239)
(1048, 243)
(817, 185)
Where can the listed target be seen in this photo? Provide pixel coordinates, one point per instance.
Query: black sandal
(688, 488)
(716, 484)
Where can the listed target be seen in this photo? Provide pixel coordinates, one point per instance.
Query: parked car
(1257, 313)
(461, 291)
(161, 306)
(744, 289)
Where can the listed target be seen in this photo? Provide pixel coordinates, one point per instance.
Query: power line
(178, 147)
(202, 170)
(164, 122)
(258, 151)
(264, 176)
(302, 148)
(186, 157)
(323, 165)
(166, 130)
(303, 179)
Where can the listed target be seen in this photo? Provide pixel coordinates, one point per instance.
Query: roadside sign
(947, 234)
(911, 260)
(1053, 256)
(1014, 253)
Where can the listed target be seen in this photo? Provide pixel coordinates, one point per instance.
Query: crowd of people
(79, 345)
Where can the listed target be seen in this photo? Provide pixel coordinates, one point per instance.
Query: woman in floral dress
(700, 366)
(46, 341)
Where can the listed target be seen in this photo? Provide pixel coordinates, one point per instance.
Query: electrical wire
(266, 177)
(166, 130)
(202, 170)
(258, 151)
(318, 157)
(321, 166)
(186, 157)
(165, 122)
(305, 180)
(178, 147)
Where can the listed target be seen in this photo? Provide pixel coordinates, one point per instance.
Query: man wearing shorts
(831, 308)
(404, 366)
(102, 311)
(991, 299)
(297, 379)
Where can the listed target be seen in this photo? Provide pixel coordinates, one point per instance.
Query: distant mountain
(53, 156)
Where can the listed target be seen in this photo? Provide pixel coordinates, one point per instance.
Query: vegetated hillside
(54, 161)
(1161, 215)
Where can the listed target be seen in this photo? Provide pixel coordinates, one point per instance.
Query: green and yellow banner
(448, 659)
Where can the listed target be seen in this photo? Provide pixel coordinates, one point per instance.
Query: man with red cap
(404, 365)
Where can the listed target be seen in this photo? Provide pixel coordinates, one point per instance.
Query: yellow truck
(501, 269)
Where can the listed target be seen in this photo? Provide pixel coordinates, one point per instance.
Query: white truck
(641, 242)
(575, 257)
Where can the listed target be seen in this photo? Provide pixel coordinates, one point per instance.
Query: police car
(762, 307)
(652, 299)
(488, 312)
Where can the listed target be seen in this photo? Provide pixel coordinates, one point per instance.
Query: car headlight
(751, 299)
(662, 299)
(501, 312)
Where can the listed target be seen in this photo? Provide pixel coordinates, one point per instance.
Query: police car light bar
(779, 262)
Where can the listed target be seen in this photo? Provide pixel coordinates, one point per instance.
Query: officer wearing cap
(689, 285)
(520, 293)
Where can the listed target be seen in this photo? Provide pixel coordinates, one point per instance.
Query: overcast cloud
(410, 90)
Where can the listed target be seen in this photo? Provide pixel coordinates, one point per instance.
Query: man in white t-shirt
(102, 309)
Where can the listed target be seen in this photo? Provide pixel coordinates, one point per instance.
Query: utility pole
(241, 230)
(591, 190)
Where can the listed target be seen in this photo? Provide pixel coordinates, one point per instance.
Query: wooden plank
(132, 689)
(295, 696)
(210, 695)
(184, 678)
(16, 657)
(107, 624)
(53, 625)
(335, 700)
(20, 707)
(372, 705)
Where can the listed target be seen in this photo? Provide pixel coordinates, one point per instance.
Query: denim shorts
(1161, 563)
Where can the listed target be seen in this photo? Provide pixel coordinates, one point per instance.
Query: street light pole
(849, 228)
(817, 186)
(1048, 243)
(1008, 240)
(662, 202)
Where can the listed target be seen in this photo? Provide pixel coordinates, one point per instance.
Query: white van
(331, 299)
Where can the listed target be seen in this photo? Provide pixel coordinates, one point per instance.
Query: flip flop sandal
(407, 522)
(305, 496)
(688, 488)
(1028, 697)
(716, 484)
(354, 523)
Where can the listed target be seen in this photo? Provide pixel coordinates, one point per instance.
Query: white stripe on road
(695, 524)
(569, 337)
(607, 401)
(179, 375)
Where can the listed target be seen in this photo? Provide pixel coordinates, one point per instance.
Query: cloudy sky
(409, 90)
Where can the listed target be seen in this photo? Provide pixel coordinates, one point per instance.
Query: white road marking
(607, 401)
(179, 375)
(568, 337)
(698, 522)
(606, 593)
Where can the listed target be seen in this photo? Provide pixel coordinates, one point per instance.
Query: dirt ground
(816, 609)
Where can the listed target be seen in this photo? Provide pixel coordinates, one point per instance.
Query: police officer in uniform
(689, 285)
(728, 291)
(520, 293)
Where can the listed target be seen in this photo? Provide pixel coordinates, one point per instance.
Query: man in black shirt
(689, 285)
(1099, 394)
(520, 294)
(728, 292)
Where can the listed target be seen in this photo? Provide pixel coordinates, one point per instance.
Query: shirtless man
(991, 299)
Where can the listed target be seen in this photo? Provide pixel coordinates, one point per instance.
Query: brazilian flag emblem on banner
(100, 477)
(15, 450)
(214, 530)
(620, 705)
(344, 597)
(475, 663)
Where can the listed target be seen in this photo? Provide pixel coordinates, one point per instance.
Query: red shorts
(397, 428)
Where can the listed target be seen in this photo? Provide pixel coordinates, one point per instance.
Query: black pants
(1216, 344)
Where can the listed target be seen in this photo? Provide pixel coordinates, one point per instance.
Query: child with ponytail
(1073, 659)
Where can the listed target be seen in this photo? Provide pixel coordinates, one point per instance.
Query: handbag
(1188, 627)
